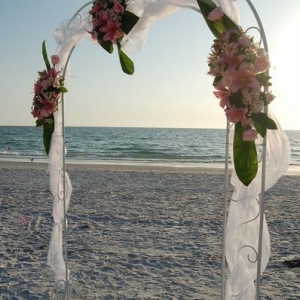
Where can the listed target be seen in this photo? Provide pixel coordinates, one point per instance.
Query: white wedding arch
(246, 241)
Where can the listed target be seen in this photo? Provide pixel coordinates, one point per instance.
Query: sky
(170, 86)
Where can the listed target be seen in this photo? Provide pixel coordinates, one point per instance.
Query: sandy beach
(136, 233)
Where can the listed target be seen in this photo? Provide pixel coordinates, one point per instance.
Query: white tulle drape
(55, 167)
(151, 11)
(67, 36)
(243, 222)
(243, 219)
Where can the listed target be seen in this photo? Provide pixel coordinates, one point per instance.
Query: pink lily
(243, 79)
(112, 31)
(235, 115)
(223, 94)
(118, 8)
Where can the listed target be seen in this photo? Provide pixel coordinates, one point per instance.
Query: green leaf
(244, 156)
(216, 27)
(263, 120)
(63, 89)
(217, 80)
(270, 124)
(45, 56)
(107, 46)
(128, 21)
(126, 63)
(47, 134)
(263, 79)
(39, 123)
(261, 129)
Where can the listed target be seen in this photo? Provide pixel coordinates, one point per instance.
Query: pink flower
(55, 59)
(244, 79)
(244, 40)
(35, 113)
(226, 79)
(230, 49)
(235, 115)
(48, 107)
(118, 8)
(247, 122)
(38, 87)
(216, 14)
(100, 19)
(98, 6)
(112, 31)
(261, 64)
(223, 94)
(249, 135)
(216, 65)
(232, 62)
(226, 36)
(103, 16)
(52, 73)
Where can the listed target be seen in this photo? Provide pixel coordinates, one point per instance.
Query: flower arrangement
(111, 22)
(241, 82)
(47, 93)
(240, 70)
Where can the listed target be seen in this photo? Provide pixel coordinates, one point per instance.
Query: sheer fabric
(242, 231)
(55, 167)
(151, 11)
(67, 36)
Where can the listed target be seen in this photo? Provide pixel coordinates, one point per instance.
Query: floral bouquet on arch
(111, 22)
(240, 68)
(47, 93)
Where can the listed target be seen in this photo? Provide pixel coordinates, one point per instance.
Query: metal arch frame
(264, 160)
(67, 295)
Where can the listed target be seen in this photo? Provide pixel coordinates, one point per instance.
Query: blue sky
(170, 86)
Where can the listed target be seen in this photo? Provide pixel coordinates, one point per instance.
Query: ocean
(116, 145)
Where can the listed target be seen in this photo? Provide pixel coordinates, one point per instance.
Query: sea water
(116, 145)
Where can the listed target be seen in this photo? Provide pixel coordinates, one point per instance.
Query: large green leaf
(126, 63)
(45, 56)
(47, 134)
(244, 156)
(216, 27)
(128, 21)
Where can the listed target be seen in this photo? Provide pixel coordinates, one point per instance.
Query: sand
(136, 233)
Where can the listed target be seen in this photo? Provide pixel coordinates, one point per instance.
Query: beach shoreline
(116, 167)
(139, 167)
